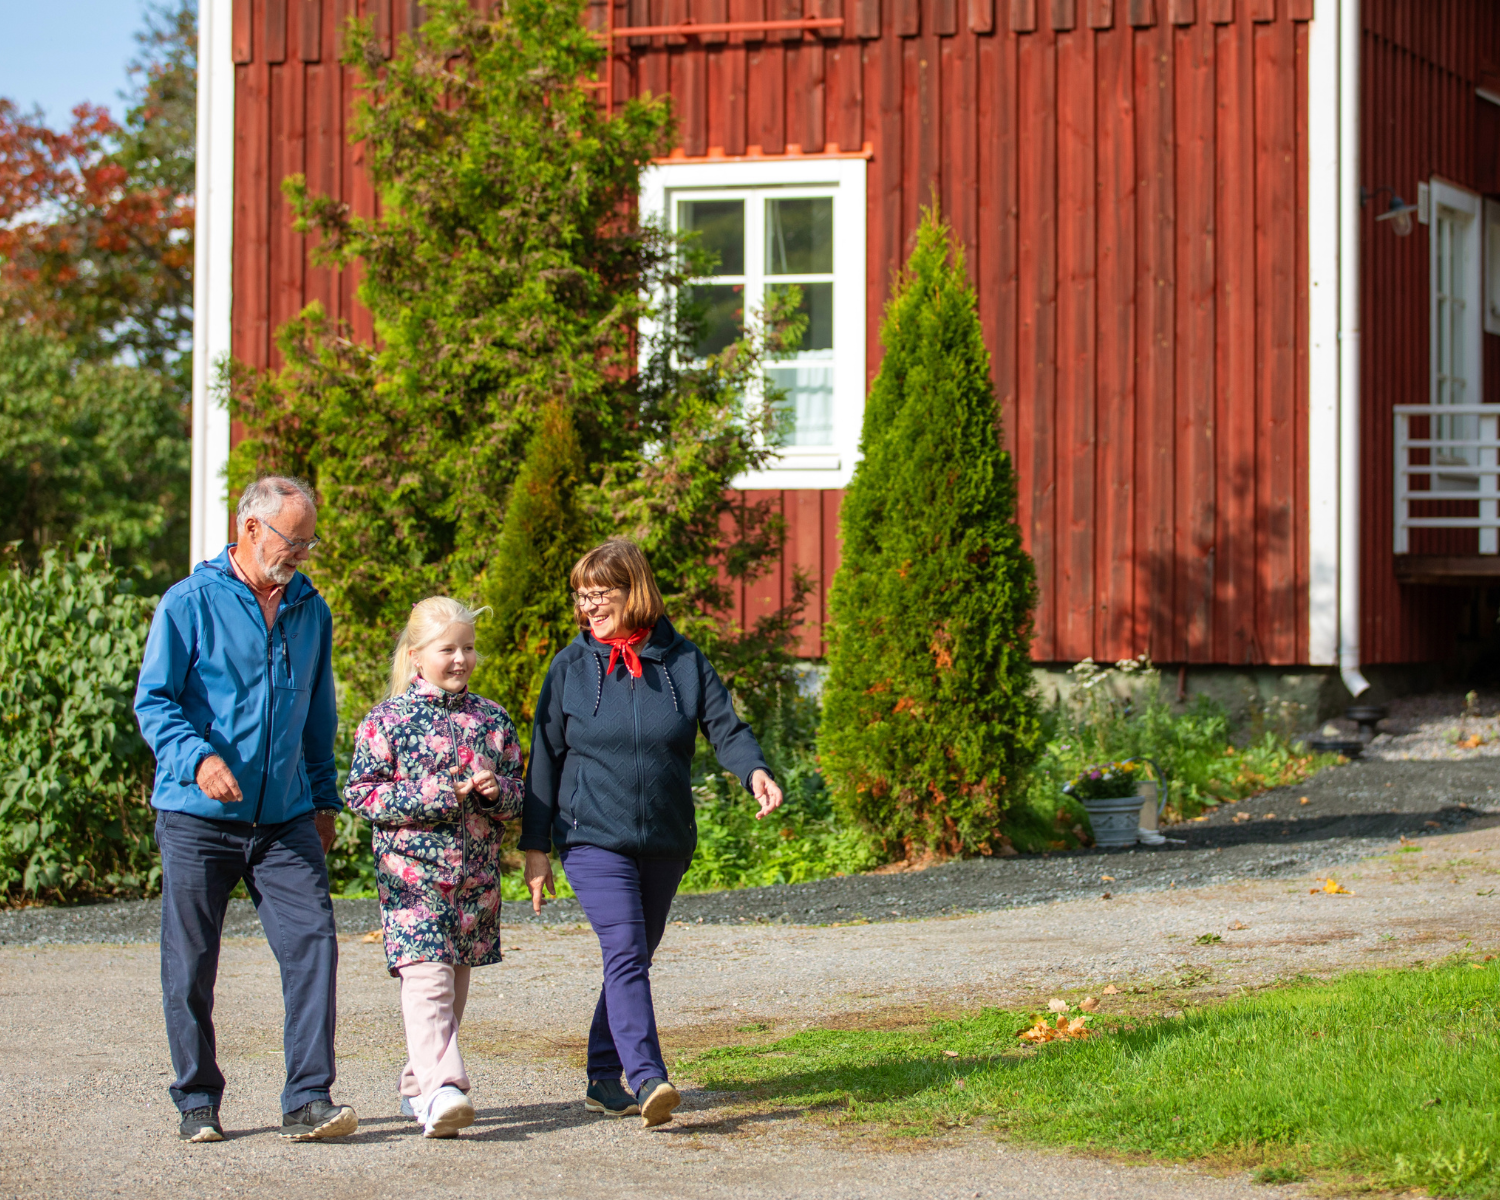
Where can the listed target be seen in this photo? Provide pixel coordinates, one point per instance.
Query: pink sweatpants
(432, 1005)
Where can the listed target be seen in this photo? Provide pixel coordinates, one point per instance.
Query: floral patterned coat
(437, 858)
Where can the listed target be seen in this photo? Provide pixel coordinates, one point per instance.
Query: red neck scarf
(624, 647)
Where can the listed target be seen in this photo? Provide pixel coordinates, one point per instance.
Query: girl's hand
(538, 875)
(461, 787)
(485, 784)
(767, 792)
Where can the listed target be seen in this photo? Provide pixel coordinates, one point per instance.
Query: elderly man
(236, 701)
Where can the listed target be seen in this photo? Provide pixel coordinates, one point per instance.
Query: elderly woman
(609, 786)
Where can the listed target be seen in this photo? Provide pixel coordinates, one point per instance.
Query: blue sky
(58, 52)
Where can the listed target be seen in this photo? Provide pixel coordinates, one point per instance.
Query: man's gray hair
(263, 498)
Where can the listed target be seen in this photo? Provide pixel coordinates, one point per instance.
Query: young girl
(436, 770)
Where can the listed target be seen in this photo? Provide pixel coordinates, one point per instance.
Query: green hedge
(75, 775)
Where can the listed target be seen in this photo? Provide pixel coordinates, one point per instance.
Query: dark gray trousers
(283, 869)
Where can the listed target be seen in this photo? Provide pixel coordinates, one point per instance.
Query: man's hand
(218, 781)
(538, 875)
(766, 792)
(326, 820)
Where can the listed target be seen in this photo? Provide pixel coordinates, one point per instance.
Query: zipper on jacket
(275, 628)
(265, 768)
(640, 768)
(463, 814)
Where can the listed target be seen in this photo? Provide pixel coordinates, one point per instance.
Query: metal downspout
(1349, 387)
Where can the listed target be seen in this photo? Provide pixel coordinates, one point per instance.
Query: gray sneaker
(201, 1125)
(657, 1098)
(318, 1120)
(407, 1110)
(610, 1097)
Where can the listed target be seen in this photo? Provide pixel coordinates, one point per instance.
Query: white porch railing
(1459, 461)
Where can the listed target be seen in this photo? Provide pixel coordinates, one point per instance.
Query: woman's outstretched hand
(538, 875)
(766, 792)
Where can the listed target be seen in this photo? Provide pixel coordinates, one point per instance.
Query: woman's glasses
(585, 599)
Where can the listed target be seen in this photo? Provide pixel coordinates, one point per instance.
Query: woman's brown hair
(619, 563)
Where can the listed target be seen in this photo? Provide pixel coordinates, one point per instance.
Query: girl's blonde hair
(429, 618)
(619, 563)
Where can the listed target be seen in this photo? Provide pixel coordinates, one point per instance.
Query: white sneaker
(444, 1113)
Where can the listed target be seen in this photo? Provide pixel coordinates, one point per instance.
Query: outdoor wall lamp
(1398, 213)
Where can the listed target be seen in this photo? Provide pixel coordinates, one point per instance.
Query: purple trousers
(626, 901)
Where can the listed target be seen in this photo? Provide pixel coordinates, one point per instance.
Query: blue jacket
(611, 758)
(216, 681)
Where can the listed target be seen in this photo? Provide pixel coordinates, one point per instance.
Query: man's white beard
(278, 573)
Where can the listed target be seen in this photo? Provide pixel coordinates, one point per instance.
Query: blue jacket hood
(216, 681)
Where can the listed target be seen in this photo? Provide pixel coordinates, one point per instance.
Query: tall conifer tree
(544, 534)
(930, 719)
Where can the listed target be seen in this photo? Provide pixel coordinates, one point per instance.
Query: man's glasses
(586, 598)
(294, 543)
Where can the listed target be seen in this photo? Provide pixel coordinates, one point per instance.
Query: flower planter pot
(1119, 821)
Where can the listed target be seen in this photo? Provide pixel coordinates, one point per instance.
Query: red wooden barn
(1179, 216)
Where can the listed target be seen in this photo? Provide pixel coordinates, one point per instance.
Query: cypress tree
(525, 584)
(930, 719)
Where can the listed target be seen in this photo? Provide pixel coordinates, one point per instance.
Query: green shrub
(1120, 712)
(525, 584)
(930, 719)
(75, 775)
(803, 839)
(91, 451)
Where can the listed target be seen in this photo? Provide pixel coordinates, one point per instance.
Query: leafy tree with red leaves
(96, 250)
(96, 220)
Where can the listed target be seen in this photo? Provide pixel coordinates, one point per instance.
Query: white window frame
(1458, 214)
(663, 184)
(1492, 266)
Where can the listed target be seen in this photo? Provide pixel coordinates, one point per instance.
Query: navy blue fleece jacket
(611, 756)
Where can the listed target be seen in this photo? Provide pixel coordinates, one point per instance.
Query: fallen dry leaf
(951, 1053)
(1303, 800)
(1106, 896)
(1111, 990)
(1331, 887)
(1058, 1006)
(1089, 1004)
(1269, 817)
(373, 936)
(1064, 1030)
(1238, 925)
(1472, 742)
(1106, 879)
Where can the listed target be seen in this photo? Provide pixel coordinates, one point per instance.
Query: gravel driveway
(83, 1058)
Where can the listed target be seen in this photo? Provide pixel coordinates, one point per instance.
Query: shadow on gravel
(522, 1121)
(1260, 830)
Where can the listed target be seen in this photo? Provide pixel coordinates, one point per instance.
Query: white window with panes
(1457, 327)
(769, 225)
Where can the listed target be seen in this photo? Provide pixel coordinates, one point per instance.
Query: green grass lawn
(1387, 1078)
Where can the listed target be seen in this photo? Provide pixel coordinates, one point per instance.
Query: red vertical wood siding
(1128, 182)
(1420, 118)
